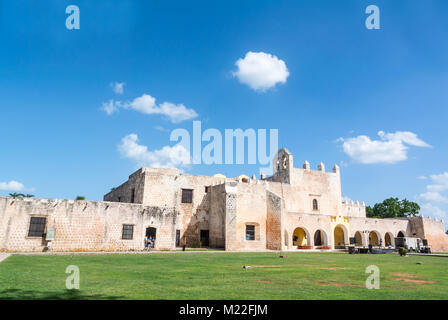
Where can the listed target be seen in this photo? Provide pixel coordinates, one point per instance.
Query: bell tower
(282, 166)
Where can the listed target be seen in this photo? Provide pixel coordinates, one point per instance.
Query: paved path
(3, 256)
(429, 254)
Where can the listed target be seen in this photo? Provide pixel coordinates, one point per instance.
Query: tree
(393, 208)
(18, 195)
(80, 198)
(15, 195)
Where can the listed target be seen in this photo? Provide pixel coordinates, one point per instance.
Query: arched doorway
(320, 238)
(339, 237)
(374, 238)
(400, 234)
(300, 237)
(389, 239)
(358, 239)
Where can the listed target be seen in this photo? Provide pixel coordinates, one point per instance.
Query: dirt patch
(407, 280)
(404, 274)
(338, 284)
(333, 268)
(266, 281)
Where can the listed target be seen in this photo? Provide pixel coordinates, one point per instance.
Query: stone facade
(294, 208)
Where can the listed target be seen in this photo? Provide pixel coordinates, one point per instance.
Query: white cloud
(433, 197)
(161, 129)
(118, 87)
(111, 107)
(440, 182)
(147, 104)
(261, 71)
(430, 210)
(11, 186)
(390, 148)
(434, 200)
(167, 157)
(422, 177)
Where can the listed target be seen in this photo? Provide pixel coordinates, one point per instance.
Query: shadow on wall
(18, 294)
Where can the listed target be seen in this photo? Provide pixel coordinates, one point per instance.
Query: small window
(207, 189)
(132, 195)
(128, 232)
(119, 199)
(315, 205)
(187, 196)
(250, 232)
(37, 227)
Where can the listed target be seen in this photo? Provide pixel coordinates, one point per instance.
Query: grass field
(211, 275)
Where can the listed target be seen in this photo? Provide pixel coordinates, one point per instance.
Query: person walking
(184, 243)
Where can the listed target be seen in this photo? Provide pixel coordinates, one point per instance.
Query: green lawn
(209, 275)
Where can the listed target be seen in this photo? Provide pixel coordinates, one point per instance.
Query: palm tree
(16, 195)
(29, 196)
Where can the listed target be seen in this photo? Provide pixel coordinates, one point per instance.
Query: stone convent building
(296, 208)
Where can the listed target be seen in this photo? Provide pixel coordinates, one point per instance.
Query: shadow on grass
(18, 294)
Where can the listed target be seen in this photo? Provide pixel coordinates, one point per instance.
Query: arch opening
(300, 237)
(400, 234)
(374, 238)
(389, 240)
(339, 237)
(358, 239)
(320, 238)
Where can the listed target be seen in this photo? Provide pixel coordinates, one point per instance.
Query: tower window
(315, 205)
(132, 195)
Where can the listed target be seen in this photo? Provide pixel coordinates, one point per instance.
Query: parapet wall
(83, 225)
(354, 209)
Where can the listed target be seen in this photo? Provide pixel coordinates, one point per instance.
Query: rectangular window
(250, 232)
(37, 227)
(207, 189)
(177, 238)
(128, 232)
(187, 196)
(132, 195)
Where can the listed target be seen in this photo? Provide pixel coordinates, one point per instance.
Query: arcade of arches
(301, 237)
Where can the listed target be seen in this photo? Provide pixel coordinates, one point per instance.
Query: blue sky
(344, 81)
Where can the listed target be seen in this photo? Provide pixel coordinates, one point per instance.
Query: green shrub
(402, 251)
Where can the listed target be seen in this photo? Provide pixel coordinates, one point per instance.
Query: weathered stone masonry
(296, 207)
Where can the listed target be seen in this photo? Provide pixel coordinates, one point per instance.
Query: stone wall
(274, 221)
(83, 225)
(132, 191)
(434, 232)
